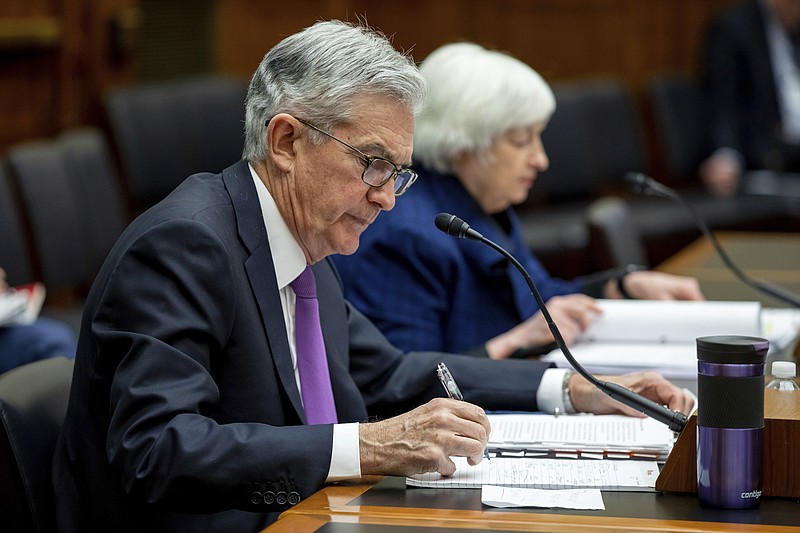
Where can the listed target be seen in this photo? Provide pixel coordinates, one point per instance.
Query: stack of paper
(545, 474)
(633, 335)
(579, 437)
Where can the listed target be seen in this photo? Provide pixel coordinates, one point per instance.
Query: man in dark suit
(752, 82)
(190, 409)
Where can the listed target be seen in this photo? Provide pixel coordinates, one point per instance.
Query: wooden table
(771, 257)
(385, 505)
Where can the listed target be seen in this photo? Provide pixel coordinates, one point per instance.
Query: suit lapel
(261, 274)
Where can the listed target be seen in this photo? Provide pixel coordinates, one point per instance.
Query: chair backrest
(167, 131)
(677, 102)
(33, 403)
(616, 138)
(13, 248)
(52, 207)
(102, 209)
(613, 238)
(567, 143)
(593, 138)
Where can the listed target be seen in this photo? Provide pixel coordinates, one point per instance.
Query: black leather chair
(613, 239)
(14, 251)
(103, 213)
(71, 196)
(51, 205)
(165, 132)
(33, 402)
(677, 104)
(592, 140)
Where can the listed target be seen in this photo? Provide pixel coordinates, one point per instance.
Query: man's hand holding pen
(453, 391)
(424, 439)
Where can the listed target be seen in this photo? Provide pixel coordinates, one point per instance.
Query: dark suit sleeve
(163, 327)
(393, 382)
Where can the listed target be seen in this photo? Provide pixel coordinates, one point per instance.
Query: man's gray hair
(316, 73)
(475, 95)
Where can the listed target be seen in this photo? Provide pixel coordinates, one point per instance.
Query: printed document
(579, 436)
(545, 474)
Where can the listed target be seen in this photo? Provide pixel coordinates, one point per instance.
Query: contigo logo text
(752, 494)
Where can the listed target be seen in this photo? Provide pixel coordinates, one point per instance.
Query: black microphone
(452, 225)
(645, 185)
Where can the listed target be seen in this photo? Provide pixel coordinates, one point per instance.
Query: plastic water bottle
(783, 373)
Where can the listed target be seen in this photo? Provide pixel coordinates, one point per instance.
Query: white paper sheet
(545, 474)
(494, 496)
(659, 335)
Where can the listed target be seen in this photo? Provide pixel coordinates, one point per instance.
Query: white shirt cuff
(345, 457)
(550, 394)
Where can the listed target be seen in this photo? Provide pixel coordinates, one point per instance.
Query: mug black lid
(733, 349)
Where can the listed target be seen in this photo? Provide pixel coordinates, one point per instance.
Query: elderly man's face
(334, 206)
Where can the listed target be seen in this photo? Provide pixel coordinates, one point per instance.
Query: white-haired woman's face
(504, 175)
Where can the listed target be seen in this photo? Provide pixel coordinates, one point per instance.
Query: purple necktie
(312, 365)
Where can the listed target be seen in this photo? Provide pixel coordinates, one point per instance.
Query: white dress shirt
(345, 458)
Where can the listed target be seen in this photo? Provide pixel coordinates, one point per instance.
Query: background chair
(14, 252)
(592, 140)
(33, 403)
(72, 204)
(50, 204)
(613, 238)
(615, 133)
(102, 209)
(677, 105)
(167, 131)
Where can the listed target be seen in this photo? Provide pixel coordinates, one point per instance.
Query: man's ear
(282, 132)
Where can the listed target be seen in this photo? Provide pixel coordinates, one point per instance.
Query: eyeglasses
(377, 170)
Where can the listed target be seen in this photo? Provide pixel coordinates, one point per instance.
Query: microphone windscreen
(451, 224)
(442, 221)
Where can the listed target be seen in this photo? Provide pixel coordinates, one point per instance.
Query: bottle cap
(783, 369)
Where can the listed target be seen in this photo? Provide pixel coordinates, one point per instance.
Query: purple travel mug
(730, 420)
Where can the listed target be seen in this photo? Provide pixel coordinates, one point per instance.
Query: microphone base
(780, 466)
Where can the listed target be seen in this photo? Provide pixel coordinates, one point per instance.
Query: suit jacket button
(294, 498)
(269, 497)
(256, 497)
(280, 497)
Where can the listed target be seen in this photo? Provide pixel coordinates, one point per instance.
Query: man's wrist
(565, 398)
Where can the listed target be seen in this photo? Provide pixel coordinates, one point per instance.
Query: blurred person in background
(751, 79)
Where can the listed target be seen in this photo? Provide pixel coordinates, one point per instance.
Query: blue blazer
(184, 403)
(437, 291)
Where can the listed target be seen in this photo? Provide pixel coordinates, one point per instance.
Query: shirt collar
(287, 256)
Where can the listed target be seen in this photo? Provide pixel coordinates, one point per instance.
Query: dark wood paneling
(44, 90)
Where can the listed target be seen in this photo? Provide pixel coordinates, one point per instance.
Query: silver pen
(453, 391)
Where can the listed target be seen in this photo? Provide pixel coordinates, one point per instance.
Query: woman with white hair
(477, 150)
